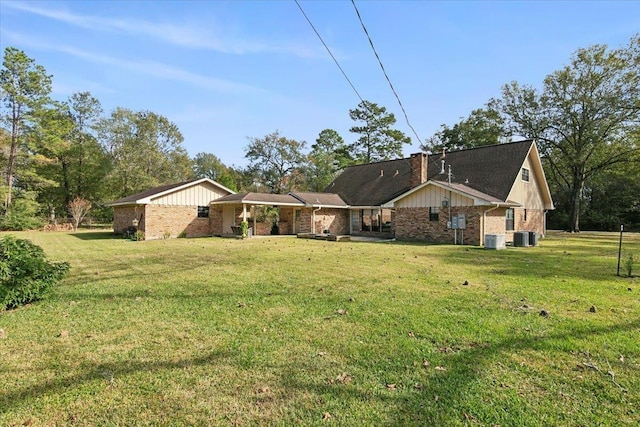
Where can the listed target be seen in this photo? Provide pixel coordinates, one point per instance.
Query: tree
(378, 141)
(24, 88)
(484, 126)
(210, 166)
(78, 208)
(276, 161)
(144, 149)
(582, 119)
(86, 163)
(328, 156)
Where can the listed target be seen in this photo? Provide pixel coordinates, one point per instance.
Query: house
(169, 210)
(455, 197)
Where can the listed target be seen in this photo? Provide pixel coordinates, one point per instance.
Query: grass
(285, 331)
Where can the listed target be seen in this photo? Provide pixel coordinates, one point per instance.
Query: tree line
(585, 119)
(56, 152)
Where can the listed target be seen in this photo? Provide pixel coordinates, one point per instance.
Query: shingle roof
(320, 199)
(372, 184)
(293, 198)
(491, 170)
(259, 198)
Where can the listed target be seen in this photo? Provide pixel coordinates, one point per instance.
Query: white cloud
(150, 68)
(185, 35)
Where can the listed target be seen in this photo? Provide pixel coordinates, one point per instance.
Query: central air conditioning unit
(495, 241)
(521, 239)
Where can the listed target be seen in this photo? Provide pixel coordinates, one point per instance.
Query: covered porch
(280, 214)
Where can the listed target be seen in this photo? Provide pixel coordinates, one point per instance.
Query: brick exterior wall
(174, 220)
(414, 224)
(123, 217)
(215, 220)
(334, 220)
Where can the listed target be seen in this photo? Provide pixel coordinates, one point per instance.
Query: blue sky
(226, 71)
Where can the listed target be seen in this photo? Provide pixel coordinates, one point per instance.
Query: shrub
(244, 229)
(628, 265)
(25, 273)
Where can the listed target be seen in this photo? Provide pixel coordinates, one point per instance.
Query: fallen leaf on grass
(3, 334)
(63, 334)
(426, 363)
(326, 416)
(391, 386)
(342, 312)
(440, 368)
(343, 378)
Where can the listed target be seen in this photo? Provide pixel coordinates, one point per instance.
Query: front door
(296, 221)
(228, 219)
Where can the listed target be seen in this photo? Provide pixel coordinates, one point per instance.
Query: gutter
(313, 219)
(484, 222)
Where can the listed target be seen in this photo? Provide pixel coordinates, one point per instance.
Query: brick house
(459, 196)
(169, 210)
(455, 197)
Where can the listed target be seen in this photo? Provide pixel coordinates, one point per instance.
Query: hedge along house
(297, 213)
(170, 210)
(497, 189)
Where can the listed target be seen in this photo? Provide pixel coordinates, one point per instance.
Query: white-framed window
(525, 174)
(434, 214)
(509, 219)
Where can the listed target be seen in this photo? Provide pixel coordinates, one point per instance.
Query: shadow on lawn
(415, 407)
(95, 235)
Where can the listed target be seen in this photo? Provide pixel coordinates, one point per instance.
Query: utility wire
(383, 70)
(330, 53)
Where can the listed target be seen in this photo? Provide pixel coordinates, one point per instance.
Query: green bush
(21, 216)
(25, 273)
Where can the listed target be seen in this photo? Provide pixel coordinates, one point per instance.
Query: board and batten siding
(527, 193)
(432, 196)
(198, 195)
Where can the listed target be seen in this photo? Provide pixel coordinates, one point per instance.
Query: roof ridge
(500, 144)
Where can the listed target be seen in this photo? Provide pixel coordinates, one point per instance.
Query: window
(203, 211)
(509, 219)
(434, 214)
(525, 174)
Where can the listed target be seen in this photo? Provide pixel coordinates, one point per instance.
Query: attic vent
(466, 181)
(397, 173)
(381, 172)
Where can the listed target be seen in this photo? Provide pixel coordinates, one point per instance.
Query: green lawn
(285, 331)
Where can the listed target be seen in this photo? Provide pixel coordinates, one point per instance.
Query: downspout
(484, 222)
(313, 220)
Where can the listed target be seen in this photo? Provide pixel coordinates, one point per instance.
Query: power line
(383, 70)
(329, 50)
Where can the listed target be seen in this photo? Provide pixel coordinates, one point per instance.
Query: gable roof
(486, 172)
(145, 197)
(491, 169)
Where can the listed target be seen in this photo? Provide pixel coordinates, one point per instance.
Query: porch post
(244, 212)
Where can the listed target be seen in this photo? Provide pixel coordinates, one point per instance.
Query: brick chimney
(418, 163)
